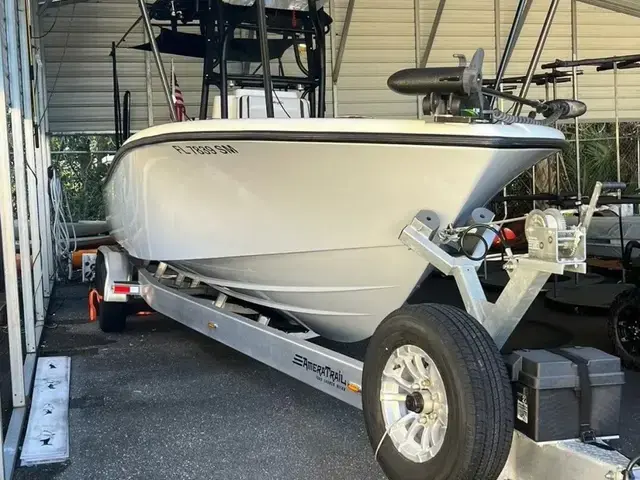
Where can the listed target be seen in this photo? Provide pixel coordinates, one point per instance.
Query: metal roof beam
(627, 7)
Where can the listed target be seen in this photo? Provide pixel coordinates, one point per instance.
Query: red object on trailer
(508, 235)
(126, 288)
(94, 304)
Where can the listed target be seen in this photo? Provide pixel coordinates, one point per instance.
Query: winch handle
(614, 186)
(593, 203)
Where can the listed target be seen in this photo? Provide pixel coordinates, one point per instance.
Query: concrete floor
(162, 402)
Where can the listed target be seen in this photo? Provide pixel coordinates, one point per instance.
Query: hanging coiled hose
(64, 243)
(503, 117)
(467, 232)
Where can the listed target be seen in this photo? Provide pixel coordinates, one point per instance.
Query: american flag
(178, 98)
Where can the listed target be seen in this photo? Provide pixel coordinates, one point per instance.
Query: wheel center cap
(415, 402)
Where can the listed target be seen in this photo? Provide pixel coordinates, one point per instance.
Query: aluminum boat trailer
(554, 249)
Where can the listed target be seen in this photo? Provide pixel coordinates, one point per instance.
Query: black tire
(112, 316)
(624, 320)
(480, 423)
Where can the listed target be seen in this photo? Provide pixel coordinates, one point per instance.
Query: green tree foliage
(598, 157)
(78, 161)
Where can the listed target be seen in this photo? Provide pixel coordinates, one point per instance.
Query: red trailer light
(126, 289)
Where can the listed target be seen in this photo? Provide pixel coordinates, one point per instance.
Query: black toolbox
(566, 393)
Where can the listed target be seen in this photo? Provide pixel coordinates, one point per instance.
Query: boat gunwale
(372, 138)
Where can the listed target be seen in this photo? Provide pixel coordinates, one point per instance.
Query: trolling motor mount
(448, 91)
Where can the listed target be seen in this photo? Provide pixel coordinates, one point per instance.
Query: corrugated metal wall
(79, 67)
(381, 41)
(601, 33)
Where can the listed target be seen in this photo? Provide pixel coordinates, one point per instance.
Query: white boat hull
(309, 227)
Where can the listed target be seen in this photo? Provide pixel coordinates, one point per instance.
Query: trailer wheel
(436, 388)
(112, 316)
(624, 327)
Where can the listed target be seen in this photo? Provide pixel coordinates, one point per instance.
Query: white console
(250, 103)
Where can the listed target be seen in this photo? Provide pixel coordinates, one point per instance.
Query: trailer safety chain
(94, 303)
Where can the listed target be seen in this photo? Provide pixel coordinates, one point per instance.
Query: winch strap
(584, 393)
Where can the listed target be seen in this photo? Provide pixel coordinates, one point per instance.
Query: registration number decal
(205, 149)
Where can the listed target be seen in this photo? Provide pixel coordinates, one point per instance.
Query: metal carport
(382, 38)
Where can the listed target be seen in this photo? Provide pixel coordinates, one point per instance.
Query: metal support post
(547, 97)
(638, 152)
(46, 159)
(333, 38)
(148, 82)
(432, 33)
(618, 162)
(264, 55)
(30, 160)
(497, 30)
(343, 40)
(558, 157)
(542, 40)
(516, 27)
(574, 76)
(9, 252)
(46, 163)
(617, 126)
(156, 56)
(417, 30)
(497, 25)
(15, 108)
(41, 168)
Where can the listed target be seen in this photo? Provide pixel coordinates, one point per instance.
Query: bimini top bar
(271, 28)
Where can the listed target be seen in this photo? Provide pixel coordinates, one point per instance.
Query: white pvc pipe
(30, 163)
(15, 107)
